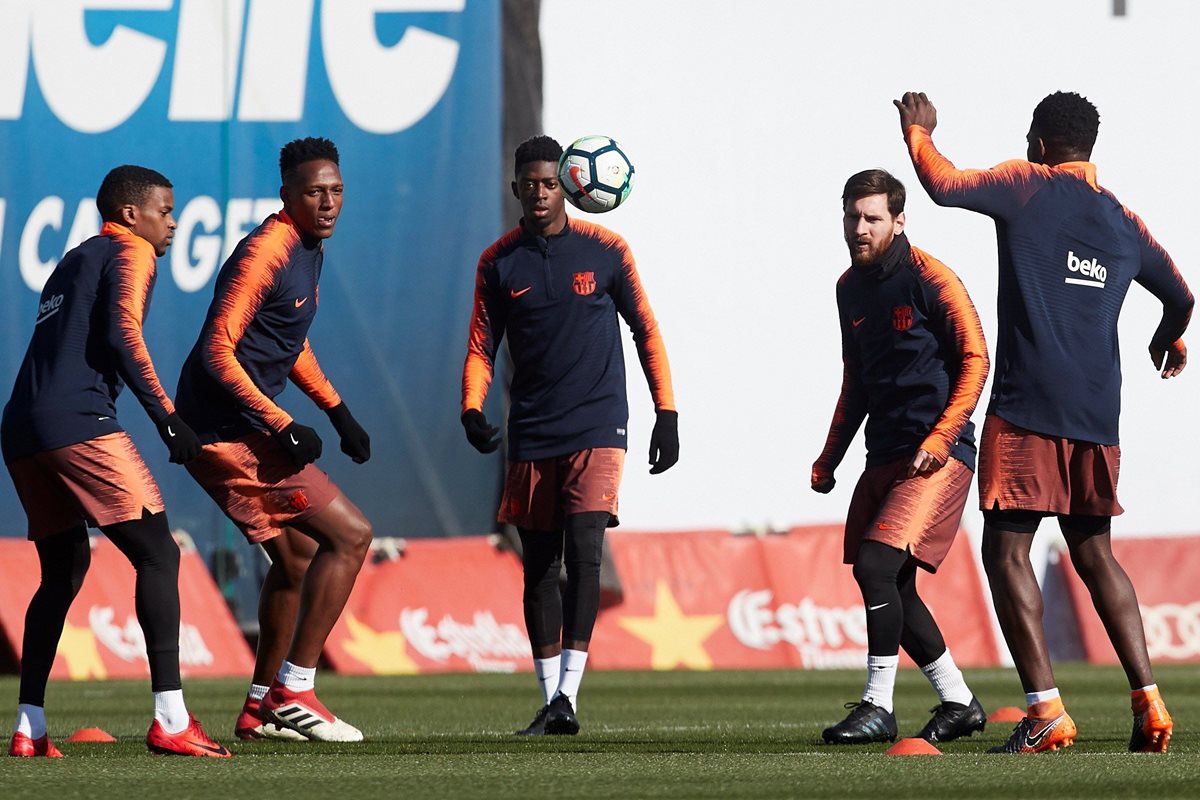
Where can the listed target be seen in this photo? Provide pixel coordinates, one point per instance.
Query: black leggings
(571, 614)
(896, 614)
(65, 558)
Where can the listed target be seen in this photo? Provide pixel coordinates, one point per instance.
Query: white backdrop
(744, 119)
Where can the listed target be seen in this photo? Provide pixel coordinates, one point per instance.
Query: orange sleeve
(130, 280)
(955, 323)
(634, 307)
(483, 337)
(998, 192)
(306, 373)
(237, 302)
(851, 408)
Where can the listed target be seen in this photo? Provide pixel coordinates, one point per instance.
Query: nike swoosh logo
(876, 608)
(515, 295)
(884, 527)
(1034, 739)
(209, 748)
(301, 302)
(574, 172)
(103, 418)
(858, 321)
(292, 436)
(170, 432)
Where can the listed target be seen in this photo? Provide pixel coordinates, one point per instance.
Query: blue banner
(206, 92)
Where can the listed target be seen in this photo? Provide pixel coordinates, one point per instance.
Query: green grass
(716, 734)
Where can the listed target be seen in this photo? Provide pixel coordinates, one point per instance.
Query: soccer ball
(595, 174)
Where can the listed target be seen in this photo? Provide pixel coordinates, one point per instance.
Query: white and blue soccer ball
(595, 174)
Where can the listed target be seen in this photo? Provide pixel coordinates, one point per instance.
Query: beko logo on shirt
(1093, 271)
(48, 308)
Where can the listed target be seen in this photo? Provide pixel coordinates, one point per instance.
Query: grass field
(715, 734)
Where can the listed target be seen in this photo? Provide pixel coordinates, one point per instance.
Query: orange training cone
(913, 747)
(1007, 714)
(91, 735)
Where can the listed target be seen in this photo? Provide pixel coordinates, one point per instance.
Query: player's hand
(1170, 361)
(664, 441)
(355, 441)
(301, 443)
(822, 482)
(483, 437)
(924, 463)
(180, 439)
(915, 109)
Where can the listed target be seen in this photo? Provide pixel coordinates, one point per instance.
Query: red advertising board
(1164, 573)
(102, 638)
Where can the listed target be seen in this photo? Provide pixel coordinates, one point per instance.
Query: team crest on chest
(902, 318)
(584, 282)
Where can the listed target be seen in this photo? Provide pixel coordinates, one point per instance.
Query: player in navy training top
(257, 462)
(1068, 253)
(914, 364)
(74, 466)
(555, 286)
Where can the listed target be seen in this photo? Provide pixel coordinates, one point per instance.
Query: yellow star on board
(674, 639)
(383, 652)
(77, 646)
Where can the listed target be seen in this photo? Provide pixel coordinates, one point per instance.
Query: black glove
(301, 443)
(664, 441)
(355, 441)
(181, 440)
(481, 435)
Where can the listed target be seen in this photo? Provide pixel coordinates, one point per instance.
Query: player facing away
(74, 466)
(1068, 253)
(257, 462)
(914, 363)
(554, 286)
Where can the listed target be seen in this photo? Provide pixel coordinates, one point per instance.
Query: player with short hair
(74, 466)
(1050, 447)
(914, 363)
(554, 285)
(257, 462)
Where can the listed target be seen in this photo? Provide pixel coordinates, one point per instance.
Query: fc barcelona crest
(902, 318)
(585, 282)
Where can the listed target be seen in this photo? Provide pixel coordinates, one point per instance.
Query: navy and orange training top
(255, 337)
(1068, 253)
(914, 361)
(87, 345)
(557, 300)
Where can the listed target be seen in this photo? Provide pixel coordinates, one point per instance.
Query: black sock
(541, 560)
(875, 568)
(148, 545)
(581, 600)
(64, 558)
(921, 638)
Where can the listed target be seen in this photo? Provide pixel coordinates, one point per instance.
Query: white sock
(881, 680)
(170, 710)
(1040, 697)
(546, 670)
(31, 721)
(297, 679)
(1151, 687)
(257, 691)
(947, 680)
(573, 662)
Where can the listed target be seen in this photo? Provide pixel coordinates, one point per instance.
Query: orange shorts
(259, 487)
(920, 515)
(1027, 471)
(98, 482)
(539, 495)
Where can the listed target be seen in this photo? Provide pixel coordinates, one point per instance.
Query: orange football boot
(191, 741)
(1152, 725)
(25, 747)
(1046, 726)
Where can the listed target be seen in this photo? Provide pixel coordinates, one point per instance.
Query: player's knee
(359, 534)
